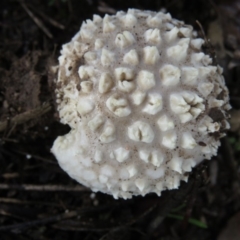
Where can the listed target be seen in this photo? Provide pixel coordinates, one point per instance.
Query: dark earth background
(37, 199)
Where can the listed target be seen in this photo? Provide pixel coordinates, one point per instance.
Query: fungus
(143, 101)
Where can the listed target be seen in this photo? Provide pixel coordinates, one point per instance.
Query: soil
(37, 199)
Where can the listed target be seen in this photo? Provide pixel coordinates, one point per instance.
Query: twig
(210, 48)
(5, 213)
(235, 120)
(60, 217)
(104, 8)
(50, 20)
(47, 188)
(37, 157)
(23, 226)
(36, 20)
(21, 202)
(26, 116)
(202, 31)
(10, 175)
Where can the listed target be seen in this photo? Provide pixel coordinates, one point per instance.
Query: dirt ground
(37, 199)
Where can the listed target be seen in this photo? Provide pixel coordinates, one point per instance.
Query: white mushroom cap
(145, 105)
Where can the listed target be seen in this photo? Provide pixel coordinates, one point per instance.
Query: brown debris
(23, 94)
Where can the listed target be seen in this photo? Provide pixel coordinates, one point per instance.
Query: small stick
(47, 188)
(235, 120)
(26, 116)
(208, 43)
(50, 20)
(22, 202)
(25, 225)
(36, 20)
(37, 157)
(104, 8)
(202, 31)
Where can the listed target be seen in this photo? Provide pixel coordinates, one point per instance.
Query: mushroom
(144, 103)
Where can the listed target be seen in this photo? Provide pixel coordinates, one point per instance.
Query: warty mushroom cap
(143, 101)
